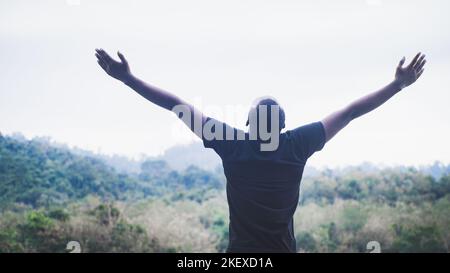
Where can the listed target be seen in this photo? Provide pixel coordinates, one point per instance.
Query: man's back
(263, 188)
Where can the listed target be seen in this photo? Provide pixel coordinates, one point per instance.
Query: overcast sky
(314, 56)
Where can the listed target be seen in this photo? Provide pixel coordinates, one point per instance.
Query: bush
(417, 239)
(306, 242)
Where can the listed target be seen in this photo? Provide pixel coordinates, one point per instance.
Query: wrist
(129, 78)
(397, 85)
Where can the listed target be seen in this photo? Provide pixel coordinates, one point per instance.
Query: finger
(402, 61)
(100, 60)
(420, 73)
(99, 57)
(99, 53)
(419, 61)
(122, 58)
(106, 56)
(414, 60)
(102, 65)
(421, 65)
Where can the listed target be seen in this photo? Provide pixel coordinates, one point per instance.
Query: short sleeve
(214, 136)
(309, 138)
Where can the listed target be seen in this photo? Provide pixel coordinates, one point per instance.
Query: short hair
(268, 101)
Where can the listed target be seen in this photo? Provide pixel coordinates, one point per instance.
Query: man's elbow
(349, 114)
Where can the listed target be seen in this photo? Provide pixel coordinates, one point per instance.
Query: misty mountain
(182, 156)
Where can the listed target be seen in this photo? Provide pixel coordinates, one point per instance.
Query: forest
(51, 195)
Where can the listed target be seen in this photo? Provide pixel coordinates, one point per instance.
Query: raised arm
(121, 71)
(404, 77)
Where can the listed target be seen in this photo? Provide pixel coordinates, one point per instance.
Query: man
(263, 169)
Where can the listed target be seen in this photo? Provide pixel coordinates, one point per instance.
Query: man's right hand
(118, 70)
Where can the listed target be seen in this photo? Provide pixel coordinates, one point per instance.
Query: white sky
(313, 56)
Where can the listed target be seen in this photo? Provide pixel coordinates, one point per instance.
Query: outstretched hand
(407, 75)
(118, 70)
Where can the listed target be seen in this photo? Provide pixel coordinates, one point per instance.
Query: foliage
(50, 196)
(37, 174)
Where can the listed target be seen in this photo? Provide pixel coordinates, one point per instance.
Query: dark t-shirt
(263, 187)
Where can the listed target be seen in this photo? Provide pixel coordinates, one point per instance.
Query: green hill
(38, 174)
(51, 195)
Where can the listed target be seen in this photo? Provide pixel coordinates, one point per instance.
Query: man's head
(264, 107)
